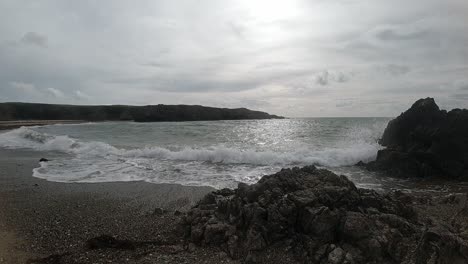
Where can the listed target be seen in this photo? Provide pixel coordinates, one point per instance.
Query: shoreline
(8, 125)
(42, 218)
(52, 222)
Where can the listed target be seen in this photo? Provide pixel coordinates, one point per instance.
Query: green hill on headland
(148, 113)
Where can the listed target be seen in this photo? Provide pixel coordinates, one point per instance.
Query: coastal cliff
(149, 113)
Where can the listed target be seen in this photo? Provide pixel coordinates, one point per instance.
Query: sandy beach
(50, 220)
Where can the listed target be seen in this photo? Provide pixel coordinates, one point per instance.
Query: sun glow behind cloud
(267, 11)
(265, 18)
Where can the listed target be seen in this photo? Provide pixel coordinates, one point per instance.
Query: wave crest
(350, 154)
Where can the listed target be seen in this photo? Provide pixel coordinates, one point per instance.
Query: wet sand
(40, 218)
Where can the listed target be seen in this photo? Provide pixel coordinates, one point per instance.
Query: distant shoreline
(6, 125)
(147, 113)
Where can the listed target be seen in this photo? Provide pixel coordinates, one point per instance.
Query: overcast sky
(293, 58)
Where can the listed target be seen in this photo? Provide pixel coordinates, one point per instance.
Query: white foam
(25, 137)
(216, 166)
(331, 157)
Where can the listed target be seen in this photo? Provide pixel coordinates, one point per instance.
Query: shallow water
(213, 153)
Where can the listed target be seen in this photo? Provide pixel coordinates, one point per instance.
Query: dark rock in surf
(43, 160)
(425, 141)
(360, 164)
(315, 216)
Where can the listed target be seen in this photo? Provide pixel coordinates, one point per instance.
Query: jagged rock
(336, 256)
(438, 245)
(425, 141)
(321, 217)
(360, 164)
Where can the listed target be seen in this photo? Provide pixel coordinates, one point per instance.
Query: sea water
(211, 153)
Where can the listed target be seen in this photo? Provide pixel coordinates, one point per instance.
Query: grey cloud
(393, 34)
(394, 69)
(457, 86)
(24, 91)
(180, 85)
(155, 64)
(204, 79)
(341, 77)
(270, 65)
(459, 96)
(237, 29)
(29, 92)
(238, 102)
(461, 91)
(36, 39)
(55, 92)
(81, 95)
(294, 59)
(418, 39)
(325, 78)
(463, 87)
(344, 104)
(23, 86)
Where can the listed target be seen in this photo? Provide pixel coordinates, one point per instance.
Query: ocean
(203, 153)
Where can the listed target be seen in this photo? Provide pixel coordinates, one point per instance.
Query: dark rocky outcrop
(425, 141)
(149, 113)
(316, 216)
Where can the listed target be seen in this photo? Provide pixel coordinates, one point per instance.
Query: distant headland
(149, 113)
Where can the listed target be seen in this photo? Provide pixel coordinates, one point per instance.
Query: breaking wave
(348, 154)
